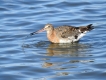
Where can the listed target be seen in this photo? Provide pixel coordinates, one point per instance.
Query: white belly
(72, 39)
(67, 40)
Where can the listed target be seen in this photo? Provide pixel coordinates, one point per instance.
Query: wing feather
(67, 31)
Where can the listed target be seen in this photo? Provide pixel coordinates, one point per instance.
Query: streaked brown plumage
(65, 34)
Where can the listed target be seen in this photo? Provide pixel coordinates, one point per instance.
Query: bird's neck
(49, 32)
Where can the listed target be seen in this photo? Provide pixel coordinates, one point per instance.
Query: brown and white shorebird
(65, 34)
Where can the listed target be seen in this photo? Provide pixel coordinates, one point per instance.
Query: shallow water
(34, 57)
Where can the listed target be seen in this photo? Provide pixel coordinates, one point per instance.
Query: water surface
(34, 57)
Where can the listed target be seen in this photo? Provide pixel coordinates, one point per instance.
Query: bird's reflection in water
(74, 49)
(61, 58)
(65, 50)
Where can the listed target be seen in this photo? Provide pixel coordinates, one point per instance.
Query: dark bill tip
(33, 33)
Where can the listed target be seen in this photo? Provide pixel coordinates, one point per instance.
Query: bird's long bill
(37, 32)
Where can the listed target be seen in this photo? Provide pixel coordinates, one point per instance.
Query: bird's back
(66, 31)
(72, 33)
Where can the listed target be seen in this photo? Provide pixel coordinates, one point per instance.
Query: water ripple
(34, 57)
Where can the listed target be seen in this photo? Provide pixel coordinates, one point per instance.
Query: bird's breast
(53, 37)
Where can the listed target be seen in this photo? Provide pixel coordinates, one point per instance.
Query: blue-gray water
(34, 57)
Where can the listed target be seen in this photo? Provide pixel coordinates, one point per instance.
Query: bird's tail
(86, 28)
(90, 27)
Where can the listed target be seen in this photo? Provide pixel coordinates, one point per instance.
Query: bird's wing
(67, 31)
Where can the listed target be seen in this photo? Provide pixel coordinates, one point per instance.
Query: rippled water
(34, 57)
